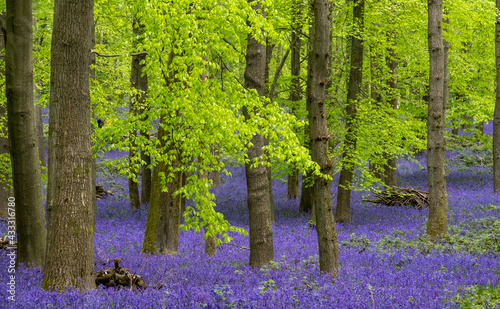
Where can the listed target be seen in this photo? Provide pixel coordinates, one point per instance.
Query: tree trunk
(496, 117)
(93, 172)
(142, 88)
(39, 134)
(391, 177)
(343, 212)
(269, 56)
(259, 201)
(296, 94)
(436, 147)
(164, 214)
(136, 103)
(70, 213)
(6, 176)
(26, 175)
(317, 79)
(210, 241)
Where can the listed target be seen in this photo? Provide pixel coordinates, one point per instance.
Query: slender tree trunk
(496, 117)
(215, 175)
(259, 201)
(296, 94)
(317, 79)
(343, 211)
(142, 88)
(26, 175)
(210, 241)
(135, 105)
(391, 177)
(70, 213)
(436, 147)
(269, 57)
(164, 215)
(39, 134)
(307, 191)
(6, 183)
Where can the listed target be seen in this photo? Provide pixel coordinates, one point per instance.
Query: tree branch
(117, 55)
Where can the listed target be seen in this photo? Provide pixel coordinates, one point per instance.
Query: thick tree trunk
(296, 94)
(436, 147)
(259, 201)
(70, 213)
(26, 175)
(496, 117)
(5, 185)
(343, 211)
(317, 78)
(164, 214)
(93, 172)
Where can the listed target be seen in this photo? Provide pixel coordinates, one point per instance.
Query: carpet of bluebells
(386, 261)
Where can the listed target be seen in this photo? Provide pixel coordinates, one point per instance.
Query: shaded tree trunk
(164, 215)
(317, 78)
(269, 57)
(391, 177)
(436, 147)
(136, 102)
(70, 213)
(26, 174)
(259, 201)
(210, 241)
(496, 117)
(296, 94)
(6, 176)
(343, 211)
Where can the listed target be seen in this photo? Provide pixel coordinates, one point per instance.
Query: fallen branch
(101, 193)
(401, 196)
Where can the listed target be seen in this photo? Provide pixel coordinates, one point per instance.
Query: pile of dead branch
(120, 277)
(100, 193)
(5, 243)
(408, 196)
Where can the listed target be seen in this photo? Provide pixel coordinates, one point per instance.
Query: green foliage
(356, 241)
(476, 297)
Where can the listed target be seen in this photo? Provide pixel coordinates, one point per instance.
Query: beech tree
(26, 173)
(70, 212)
(436, 147)
(343, 211)
(316, 102)
(259, 202)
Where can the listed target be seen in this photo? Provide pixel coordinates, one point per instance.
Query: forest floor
(385, 259)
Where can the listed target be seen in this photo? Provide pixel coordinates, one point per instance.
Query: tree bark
(269, 57)
(343, 211)
(26, 174)
(259, 201)
(70, 213)
(391, 177)
(436, 147)
(210, 241)
(6, 176)
(136, 104)
(317, 80)
(296, 94)
(496, 117)
(164, 214)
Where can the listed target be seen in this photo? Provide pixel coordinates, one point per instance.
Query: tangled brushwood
(408, 196)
